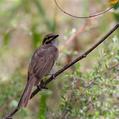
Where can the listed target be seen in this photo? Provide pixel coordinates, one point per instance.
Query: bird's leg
(42, 85)
(53, 76)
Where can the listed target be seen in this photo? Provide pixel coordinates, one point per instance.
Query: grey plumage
(42, 61)
(41, 64)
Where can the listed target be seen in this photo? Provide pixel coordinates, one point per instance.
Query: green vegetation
(89, 89)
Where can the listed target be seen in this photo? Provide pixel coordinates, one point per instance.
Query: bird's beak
(55, 36)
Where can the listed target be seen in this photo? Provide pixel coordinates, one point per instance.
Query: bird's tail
(26, 94)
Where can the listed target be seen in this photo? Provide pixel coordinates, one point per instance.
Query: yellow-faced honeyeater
(41, 64)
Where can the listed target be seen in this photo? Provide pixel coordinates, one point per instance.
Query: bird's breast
(52, 49)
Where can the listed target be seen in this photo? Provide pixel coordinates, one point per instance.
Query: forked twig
(41, 86)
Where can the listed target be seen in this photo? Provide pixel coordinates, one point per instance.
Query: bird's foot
(53, 76)
(42, 85)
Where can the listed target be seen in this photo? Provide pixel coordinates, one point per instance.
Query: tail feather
(27, 93)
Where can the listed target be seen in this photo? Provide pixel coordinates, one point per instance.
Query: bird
(40, 65)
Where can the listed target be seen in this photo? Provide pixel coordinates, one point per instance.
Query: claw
(53, 76)
(42, 85)
(39, 87)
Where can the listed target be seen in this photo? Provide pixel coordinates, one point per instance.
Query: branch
(81, 17)
(76, 60)
(42, 85)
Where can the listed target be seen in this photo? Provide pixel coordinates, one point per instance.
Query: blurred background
(90, 88)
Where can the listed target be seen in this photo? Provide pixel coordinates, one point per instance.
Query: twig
(81, 56)
(41, 86)
(81, 17)
(78, 32)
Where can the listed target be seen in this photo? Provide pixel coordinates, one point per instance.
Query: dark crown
(50, 37)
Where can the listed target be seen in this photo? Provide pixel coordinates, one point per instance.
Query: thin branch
(42, 85)
(77, 33)
(77, 59)
(81, 17)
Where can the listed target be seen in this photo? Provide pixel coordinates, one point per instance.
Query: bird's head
(49, 38)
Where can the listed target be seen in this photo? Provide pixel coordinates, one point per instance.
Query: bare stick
(41, 86)
(81, 17)
(77, 59)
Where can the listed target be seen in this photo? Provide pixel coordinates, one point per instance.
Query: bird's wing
(41, 63)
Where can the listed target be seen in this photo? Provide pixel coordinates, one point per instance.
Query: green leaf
(43, 107)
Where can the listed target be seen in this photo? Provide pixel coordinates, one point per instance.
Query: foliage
(93, 94)
(89, 90)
